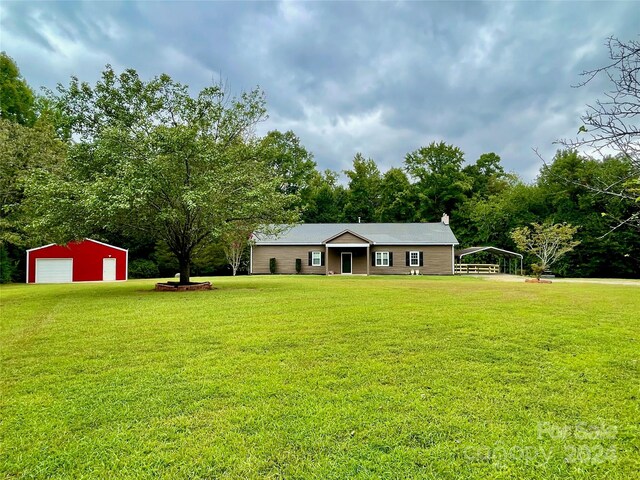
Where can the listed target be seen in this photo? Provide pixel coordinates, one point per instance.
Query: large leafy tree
(148, 157)
(396, 197)
(292, 162)
(27, 145)
(25, 152)
(363, 198)
(487, 176)
(494, 217)
(441, 183)
(325, 199)
(16, 97)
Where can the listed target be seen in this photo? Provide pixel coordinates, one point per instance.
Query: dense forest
(52, 137)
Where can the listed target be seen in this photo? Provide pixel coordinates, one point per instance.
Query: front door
(108, 269)
(346, 263)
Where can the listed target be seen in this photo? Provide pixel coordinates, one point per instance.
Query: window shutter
(391, 259)
(322, 259)
(407, 260)
(373, 259)
(310, 258)
(422, 259)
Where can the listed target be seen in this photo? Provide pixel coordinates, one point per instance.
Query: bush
(537, 270)
(298, 265)
(142, 268)
(272, 265)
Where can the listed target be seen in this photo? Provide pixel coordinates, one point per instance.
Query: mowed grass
(316, 377)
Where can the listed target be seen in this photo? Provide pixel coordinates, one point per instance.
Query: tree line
(486, 203)
(180, 180)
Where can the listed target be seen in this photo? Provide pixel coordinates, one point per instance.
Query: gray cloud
(380, 78)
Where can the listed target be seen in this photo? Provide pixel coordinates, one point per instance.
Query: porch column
(368, 259)
(326, 260)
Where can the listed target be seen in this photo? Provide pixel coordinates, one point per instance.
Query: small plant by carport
(548, 242)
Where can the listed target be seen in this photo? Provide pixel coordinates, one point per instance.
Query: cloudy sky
(381, 78)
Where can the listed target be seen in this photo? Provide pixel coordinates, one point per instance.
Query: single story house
(84, 261)
(357, 248)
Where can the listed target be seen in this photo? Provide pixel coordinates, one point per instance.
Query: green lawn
(316, 377)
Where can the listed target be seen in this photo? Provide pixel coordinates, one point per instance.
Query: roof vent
(445, 219)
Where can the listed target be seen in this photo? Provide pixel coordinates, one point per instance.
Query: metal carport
(464, 268)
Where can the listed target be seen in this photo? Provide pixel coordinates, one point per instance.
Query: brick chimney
(445, 219)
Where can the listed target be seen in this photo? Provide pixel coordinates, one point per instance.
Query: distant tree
(602, 252)
(293, 163)
(22, 150)
(396, 197)
(548, 242)
(148, 156)
(16, 97)
(363, 197)
(324, 200)
(441, 184)
(489, 221)
(610, 125)
(486, 176)
(25, 153)
(235, 241)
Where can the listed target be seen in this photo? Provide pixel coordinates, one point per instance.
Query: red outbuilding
(84, 261)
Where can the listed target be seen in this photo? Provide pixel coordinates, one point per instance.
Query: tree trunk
(185, 270)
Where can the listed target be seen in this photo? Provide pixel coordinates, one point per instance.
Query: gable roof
(377, 233)
(472, 250)
(76, 242)
(339, 234)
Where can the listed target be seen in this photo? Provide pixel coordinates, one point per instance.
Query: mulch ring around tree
(176, 287)
(536, 280)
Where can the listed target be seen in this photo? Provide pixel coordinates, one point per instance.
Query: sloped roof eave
(373, 233)
(271, 244)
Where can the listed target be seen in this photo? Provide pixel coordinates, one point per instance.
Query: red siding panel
(87, 259)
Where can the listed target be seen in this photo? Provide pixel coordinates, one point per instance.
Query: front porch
(347, 260)
(347, 253)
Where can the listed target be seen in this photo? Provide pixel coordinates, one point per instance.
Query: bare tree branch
(611, 126)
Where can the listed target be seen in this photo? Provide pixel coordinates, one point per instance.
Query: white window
(382, 259)
(414, 259)
(316, 259)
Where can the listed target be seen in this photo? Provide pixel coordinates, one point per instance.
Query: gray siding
(285, 256)
(437, 260)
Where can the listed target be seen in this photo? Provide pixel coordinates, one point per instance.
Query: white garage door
(54, 270)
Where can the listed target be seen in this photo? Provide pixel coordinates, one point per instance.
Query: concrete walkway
(516, 278)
